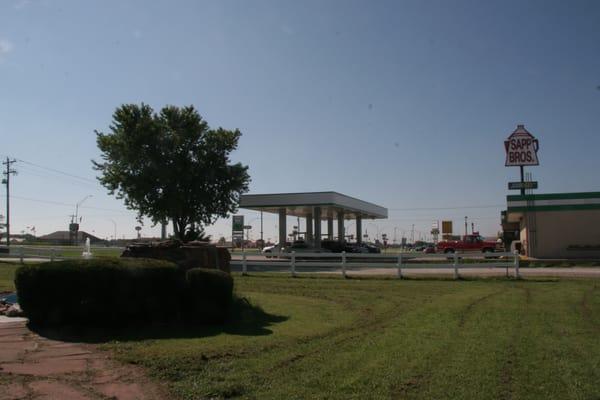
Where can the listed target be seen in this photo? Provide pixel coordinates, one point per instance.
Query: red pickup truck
(472, 242)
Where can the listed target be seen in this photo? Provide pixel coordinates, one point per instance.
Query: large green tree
(171, 166)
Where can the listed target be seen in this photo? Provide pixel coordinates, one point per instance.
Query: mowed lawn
(327, 338)
(7, 276)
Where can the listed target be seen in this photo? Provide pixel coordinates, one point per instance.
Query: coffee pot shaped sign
(521, 148)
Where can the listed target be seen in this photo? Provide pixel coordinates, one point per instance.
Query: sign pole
(522, 180)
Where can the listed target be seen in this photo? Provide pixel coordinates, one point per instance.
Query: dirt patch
(39, 368)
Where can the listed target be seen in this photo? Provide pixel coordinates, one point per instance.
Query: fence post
(344, 264)
(293, 263)
(399, 265)
(516, 262)
(455, 265)
(52, 254)
(21, 253)
(244, 266)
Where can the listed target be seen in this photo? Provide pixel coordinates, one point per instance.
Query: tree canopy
(171, 166)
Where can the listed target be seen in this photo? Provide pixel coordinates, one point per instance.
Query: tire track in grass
(511, 363)
(369, 324)
(442, 360)
(342, 335)
(560, 356)
(469, 308)
(312, 351)
(586, 310)
(423, 377)
(352, 330)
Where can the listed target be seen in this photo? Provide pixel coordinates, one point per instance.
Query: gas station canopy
(302, 205)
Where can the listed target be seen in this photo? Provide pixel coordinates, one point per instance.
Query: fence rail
(400, 262)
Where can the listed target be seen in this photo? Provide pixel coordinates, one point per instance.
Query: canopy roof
(301, 204)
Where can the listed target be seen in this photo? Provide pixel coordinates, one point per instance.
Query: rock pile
(186, 255)
(10, 310)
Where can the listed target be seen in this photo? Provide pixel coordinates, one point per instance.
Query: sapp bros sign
(521, 148)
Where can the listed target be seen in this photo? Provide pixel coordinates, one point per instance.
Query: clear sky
(402, 103)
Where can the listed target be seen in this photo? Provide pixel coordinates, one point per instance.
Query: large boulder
(186, 255)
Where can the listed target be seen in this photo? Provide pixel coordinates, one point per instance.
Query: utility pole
(466, 232)
(6, 181)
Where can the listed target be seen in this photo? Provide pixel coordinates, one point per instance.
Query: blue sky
(402, 103)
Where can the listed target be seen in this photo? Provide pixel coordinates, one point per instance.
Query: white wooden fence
(400, 262)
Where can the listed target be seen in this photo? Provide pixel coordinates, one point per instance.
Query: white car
(268, 250)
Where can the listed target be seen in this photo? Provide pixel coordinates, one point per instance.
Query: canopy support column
(340, 222)
(309, 228)
(282, 227)
(358, 229)
(330, 227)
(317, 212)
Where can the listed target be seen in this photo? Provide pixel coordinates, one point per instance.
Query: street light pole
(115, 229)
(78, 204)
(77, 216)
(262, 242)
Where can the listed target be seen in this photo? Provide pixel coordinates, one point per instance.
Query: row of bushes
(116, 292)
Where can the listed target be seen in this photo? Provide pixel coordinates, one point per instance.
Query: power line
(65, 179)
(58, 203)
(57, 171)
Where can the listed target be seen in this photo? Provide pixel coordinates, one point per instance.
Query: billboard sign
(521, 148)
(237, 224)
(446, 227)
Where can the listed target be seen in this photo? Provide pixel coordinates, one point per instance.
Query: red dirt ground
(33, 367)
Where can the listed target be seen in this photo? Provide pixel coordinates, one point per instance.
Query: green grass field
(331, 338)
(69, 251)
(7, 274)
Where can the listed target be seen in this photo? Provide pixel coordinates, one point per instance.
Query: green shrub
(103, 292)
(209, 295)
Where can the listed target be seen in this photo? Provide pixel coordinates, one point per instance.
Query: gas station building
(315, 207)
(557, 225)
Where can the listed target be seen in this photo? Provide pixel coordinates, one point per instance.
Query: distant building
(557, 225)
(63, 238)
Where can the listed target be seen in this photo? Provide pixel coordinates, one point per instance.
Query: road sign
(522, 185)
(247, 226)
(237, 223)
(521, 148)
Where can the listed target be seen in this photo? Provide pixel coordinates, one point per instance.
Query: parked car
(371, 248)
(337, 247)
(300, 246)
(429, 250)
(267, 251)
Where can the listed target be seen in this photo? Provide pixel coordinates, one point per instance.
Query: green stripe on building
(554, 196)
(566, 207)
